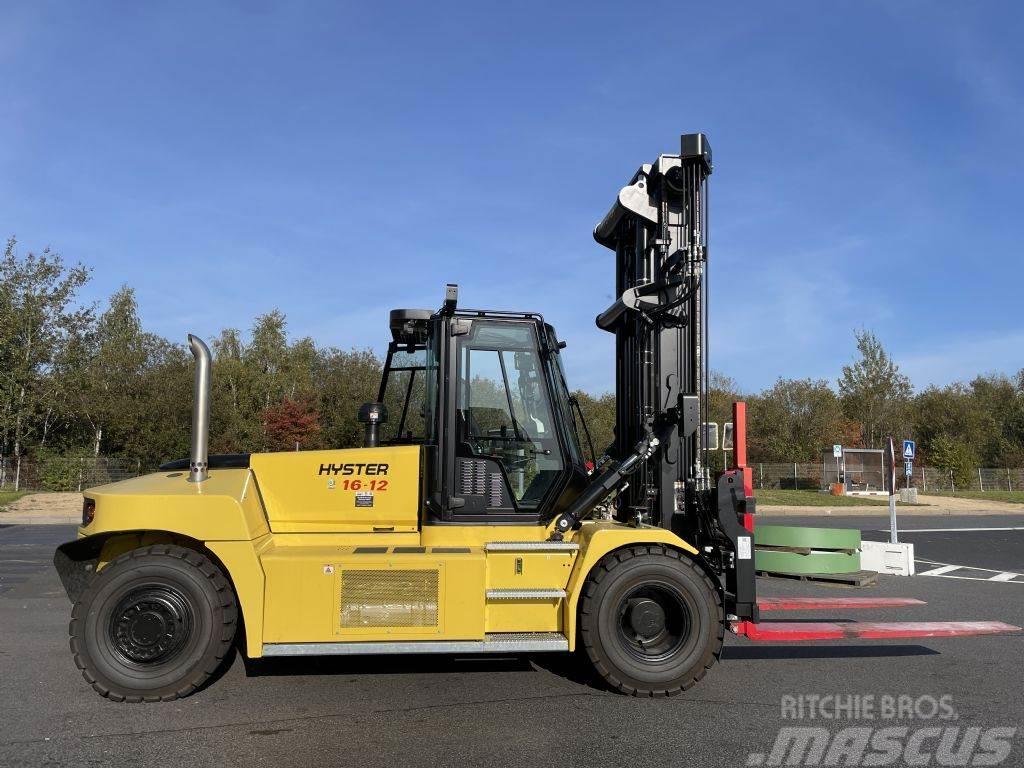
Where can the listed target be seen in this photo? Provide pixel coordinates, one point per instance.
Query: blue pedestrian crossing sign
(908, 450)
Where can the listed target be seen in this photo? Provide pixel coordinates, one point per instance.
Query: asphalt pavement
(522, 711)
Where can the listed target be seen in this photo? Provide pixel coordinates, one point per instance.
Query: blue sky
(335, 160)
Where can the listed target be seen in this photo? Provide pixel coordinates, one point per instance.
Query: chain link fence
(795, 476)
(64, 473)
(981, 479)
(811, 477)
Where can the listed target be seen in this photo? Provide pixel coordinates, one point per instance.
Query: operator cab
(485, 394)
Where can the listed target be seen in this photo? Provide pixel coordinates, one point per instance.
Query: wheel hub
(646, 617)
(654, 622)
(150, 625)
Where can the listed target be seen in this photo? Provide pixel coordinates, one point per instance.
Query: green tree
(164, 406)
(722, 393)
(946, 414)
(954, 457)
(266, 362)
(345, 380)
(874, 393)
(599, 415)
(796, 420)
(112, 399)
(231, 412)
(996, 406)
(1013, 428)
(38, 318)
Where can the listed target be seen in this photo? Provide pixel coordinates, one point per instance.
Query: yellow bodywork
(322, 491)
(330, 546)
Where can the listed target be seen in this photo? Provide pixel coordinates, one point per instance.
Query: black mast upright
(658, 230)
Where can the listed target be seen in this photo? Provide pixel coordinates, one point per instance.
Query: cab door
(504, 449)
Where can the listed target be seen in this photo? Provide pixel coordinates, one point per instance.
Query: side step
(525, 594)
(798, 631)
(531, 546)
(499, 642)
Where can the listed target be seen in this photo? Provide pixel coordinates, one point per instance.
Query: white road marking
(951, 565)
(945, 569)
(940, 571)
(949, 530)
(976, 578)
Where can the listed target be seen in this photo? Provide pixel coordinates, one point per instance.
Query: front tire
(154, 624)
(651, 621)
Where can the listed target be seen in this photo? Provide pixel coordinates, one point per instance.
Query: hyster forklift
(470, 521)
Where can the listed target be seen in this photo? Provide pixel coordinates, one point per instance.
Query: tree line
(958, 427)
(91, 381)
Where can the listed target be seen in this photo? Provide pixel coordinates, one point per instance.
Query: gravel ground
(43, 509)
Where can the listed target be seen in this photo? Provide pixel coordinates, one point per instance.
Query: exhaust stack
(197, 463)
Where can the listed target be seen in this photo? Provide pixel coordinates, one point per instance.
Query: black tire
(154, 624)
(630, 647)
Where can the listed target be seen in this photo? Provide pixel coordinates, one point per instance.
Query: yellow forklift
(470, 521)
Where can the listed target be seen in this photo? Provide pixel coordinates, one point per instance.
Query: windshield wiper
(574, 402)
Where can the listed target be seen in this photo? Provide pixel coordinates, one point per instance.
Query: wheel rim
(654, 622)
(150, 625)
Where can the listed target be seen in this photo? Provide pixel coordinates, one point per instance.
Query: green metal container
(793, 549)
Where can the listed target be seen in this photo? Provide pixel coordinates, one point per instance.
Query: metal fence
(811, 477)
(793, 476)
(64, 473)
(981, 479)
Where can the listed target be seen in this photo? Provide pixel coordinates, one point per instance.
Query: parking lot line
(940, 571)
(951, 565)
(951, 530)
(945, 571)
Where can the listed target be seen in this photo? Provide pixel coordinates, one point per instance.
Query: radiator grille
(496, 496)
(389, 598)
(474, 477)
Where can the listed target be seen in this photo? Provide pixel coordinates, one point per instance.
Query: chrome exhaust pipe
(199, 455)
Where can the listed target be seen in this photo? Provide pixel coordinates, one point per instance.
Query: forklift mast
(658, 229)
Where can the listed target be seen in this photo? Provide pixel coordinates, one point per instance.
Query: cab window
(504, 409)
(406, 394)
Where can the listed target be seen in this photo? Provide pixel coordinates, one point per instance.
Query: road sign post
(893, 539)
(837, 454)
(909, 449)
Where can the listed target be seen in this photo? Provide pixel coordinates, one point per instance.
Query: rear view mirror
(711, 435)
(727, 436)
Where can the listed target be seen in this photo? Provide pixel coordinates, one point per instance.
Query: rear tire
(154, 624)
(651, 621)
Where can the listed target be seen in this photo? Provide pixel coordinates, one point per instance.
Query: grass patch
(1014, 497)
(7, 497)
(770, 497)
